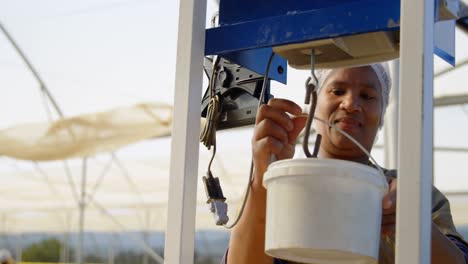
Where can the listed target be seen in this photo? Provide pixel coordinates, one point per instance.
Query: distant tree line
(48, 250)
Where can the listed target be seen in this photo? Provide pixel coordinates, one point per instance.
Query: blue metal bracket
(444, 37)
(256, 60)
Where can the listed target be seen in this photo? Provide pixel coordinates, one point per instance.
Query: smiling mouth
(349, 122)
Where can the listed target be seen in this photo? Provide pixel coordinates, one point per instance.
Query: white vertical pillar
(111, 249)
(19, 247)
(415, 163)
(146, 235)
(62, 249)
(82, 207)
(66, 238)
(180, 232)
(391, 119)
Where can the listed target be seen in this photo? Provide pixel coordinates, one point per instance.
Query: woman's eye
(367, 96)
(338, 91)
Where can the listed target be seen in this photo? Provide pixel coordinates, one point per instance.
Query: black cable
(249, 184)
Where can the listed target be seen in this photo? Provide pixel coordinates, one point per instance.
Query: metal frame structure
(82, 199)
(415, 138)
(415, 132)
(391, 120)
(266, 30)
(180, 232)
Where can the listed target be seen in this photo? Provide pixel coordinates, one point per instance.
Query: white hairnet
(383, 75)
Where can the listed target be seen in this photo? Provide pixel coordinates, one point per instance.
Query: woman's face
(351, 99)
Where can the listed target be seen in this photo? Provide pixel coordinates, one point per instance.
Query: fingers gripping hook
(311, 86)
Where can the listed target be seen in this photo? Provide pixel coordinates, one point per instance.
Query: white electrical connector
(219, 210)
(216, 199)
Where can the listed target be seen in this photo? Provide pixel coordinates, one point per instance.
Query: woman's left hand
(389, 210)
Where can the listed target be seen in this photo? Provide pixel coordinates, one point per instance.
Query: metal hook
(311, 98)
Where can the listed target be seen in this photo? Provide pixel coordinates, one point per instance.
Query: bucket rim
(282, 168)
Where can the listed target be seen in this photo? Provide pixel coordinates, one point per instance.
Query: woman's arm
(275, 133)
(247, 244)
(442, 249)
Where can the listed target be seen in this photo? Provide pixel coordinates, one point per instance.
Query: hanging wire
(311, 85)
(374, 162)
(208, 135)
(251, 177)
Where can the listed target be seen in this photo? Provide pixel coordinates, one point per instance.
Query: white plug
(219, 210)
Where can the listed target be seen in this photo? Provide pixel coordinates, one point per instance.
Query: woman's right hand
(275, 133)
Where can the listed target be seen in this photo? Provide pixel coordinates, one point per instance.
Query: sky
(95, 55)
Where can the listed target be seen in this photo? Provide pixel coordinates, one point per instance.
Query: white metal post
(146, 235)
(112, 248)
(19, 247)
(391, 119)
(415, 163)
(180, 232)
(82, 207)
(66, 237)
(63, 249)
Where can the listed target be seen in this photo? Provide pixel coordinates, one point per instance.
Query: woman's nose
(351, 103)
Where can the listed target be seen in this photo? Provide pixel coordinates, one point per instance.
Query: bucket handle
(354, 141)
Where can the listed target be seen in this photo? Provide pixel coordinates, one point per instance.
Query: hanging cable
(208, 134)
(359, 145)
(260, 102)
(213, 190)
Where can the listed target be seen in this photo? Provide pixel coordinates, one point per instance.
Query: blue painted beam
(352, 17)
(239, 11)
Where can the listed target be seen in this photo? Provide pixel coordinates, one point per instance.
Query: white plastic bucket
(323, 211)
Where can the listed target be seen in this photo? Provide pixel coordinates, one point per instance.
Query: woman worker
(355, 100)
